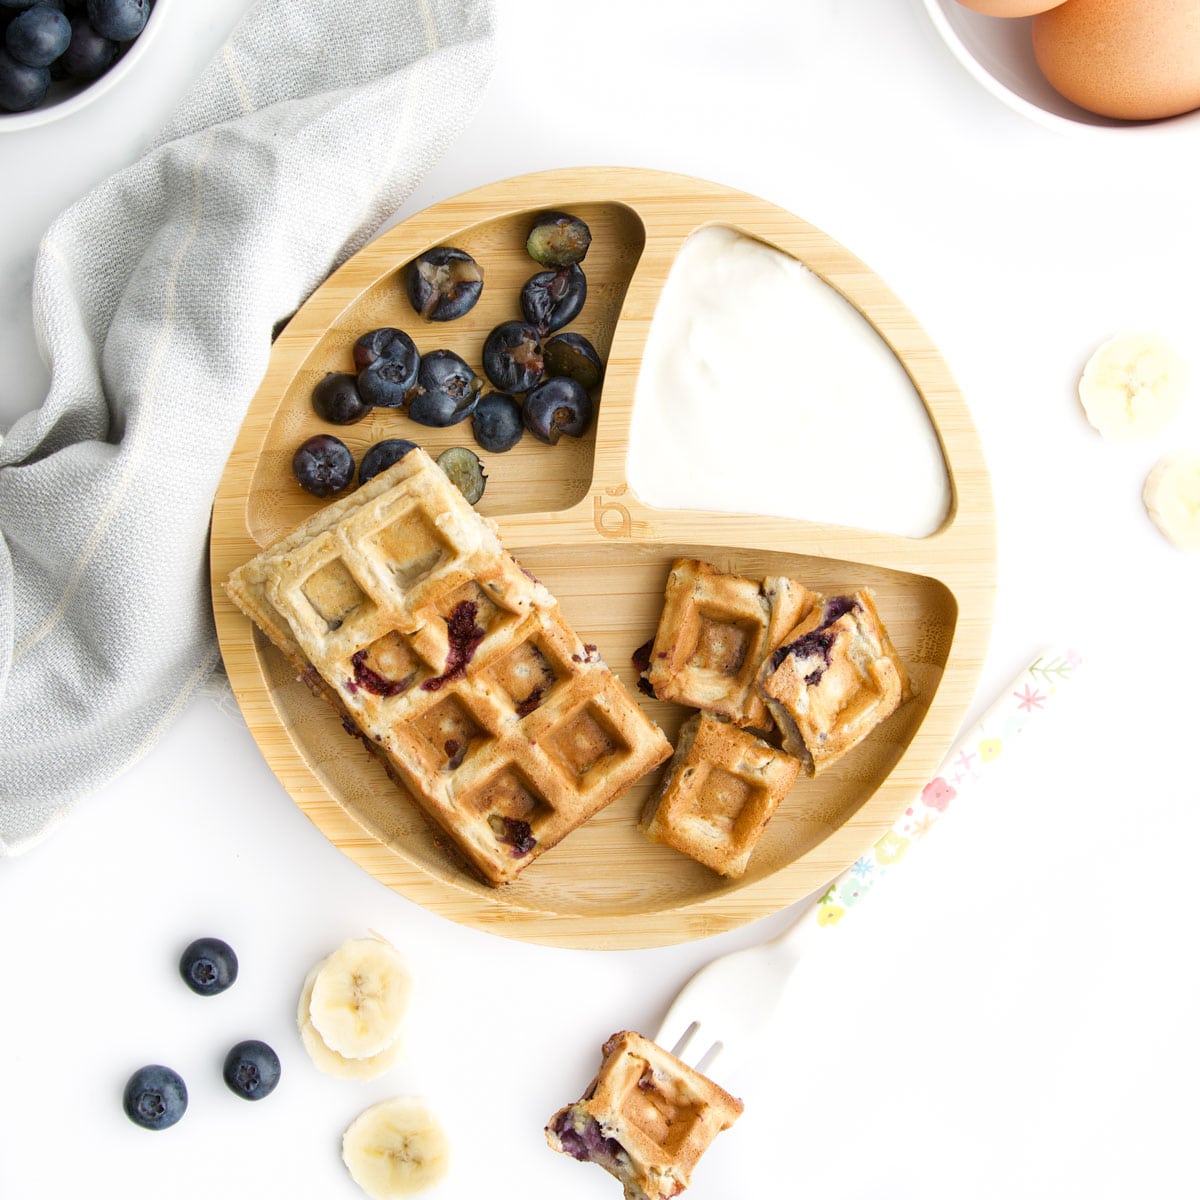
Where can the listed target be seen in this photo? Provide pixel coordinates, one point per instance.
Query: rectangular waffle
(453, 664)
(717, 794)
(833, 680)
(646, 1118)
(713, 634)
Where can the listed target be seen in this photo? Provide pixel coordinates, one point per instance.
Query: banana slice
(359, 997)
(1132, 386)
(1172, 498)
(330, 1061)
(397, 1148)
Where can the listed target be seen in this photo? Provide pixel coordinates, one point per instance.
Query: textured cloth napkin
(154, 301)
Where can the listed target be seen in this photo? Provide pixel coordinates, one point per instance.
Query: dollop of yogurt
(764, 391)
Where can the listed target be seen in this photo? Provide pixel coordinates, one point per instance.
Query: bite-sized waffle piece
(717, 794)
(835, 677)
(453, 664)
(646, 1118)
(713, 634)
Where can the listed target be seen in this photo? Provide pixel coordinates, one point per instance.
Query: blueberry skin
(21, 87)
(323, 465)
(120, 20)
(38, 36)
(552, 299)
(556, 407)
(208, 966)
(90, 54)
(447, 390)
(251, 1069)
(388, 362)
(381, 456)
(572, 355)
(497, 423)
(512, 357)
(444, 283)
(155, 1097)
(336, 399)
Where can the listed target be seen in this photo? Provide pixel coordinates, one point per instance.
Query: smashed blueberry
(465, 471)
(381, 456)
(336, 399)
(447, 390)
(513, 832)
(208, 966)
(120, 20)
(323, 465)
(552, 299)
(556, 407)
(38, 36)
(512, 357)
(251, 1069)
(558, 240)
(496, 422)
(443, 283)
(388, 361)
(155, 1097)
(573, 356)
(90, 54)
(21, 87)
(463, 635)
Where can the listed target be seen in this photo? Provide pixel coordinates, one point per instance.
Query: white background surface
(1015, 1014)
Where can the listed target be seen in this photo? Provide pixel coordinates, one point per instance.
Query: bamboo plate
(570, 517)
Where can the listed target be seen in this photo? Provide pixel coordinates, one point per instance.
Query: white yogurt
(763, 390)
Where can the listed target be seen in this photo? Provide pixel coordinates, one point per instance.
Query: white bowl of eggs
(1104, 65)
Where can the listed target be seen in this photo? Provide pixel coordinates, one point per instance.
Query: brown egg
(1009, 8)
(1134, 59)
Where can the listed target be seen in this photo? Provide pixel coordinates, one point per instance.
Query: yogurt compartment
(752, 358)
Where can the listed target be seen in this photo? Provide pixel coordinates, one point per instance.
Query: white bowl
(66, 96)
(998, 53)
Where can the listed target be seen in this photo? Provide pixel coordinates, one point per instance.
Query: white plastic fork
(721, 1012)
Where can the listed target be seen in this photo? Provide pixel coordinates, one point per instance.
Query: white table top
(1015, 1015)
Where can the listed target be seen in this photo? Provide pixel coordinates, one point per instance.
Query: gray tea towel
(154, 301)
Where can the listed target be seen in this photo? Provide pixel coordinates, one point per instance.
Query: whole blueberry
(558, 406)
(443, 283)
(208, 966)
(512, 357)
(323, 465)
(336, 399)
(251, 1069)
(90, 54)
(21, 87)
(38, 36)
(552, 299)
(447, 390)
(496, 422)
(387, 360)
(121, 20)
(383, 455)
(155, 1097)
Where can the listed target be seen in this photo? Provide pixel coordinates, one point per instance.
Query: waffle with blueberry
(400, 606)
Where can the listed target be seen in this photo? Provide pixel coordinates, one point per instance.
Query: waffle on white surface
(453, 664)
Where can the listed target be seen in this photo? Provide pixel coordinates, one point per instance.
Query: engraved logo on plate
(611, 519)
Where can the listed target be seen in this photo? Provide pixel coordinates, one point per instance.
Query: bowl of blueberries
(56, 56)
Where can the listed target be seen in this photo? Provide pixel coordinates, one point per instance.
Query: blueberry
(21, 87)
(155, 1097)
(323, 465)
(120, 20)
(446, 390)
(443, 283)
(208, 966)
(336, 399)
(387, 360)
(512, 357)
(251, 1069)
(38, 36)
(552, 299)
(465, 471)
(558, 240)
(381, 456)
(572, 355)
(556, 407)
(496, 422)
(90, 54)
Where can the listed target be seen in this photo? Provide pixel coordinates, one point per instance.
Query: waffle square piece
(718, 793)
(399, 605)
(833, 680)
(713, 634)
(646, 1118)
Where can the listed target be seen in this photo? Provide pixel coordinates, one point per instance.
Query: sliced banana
(330, 1061)
(1133, 385)
(397, 1148)
(1172, 498)
(359, 997)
